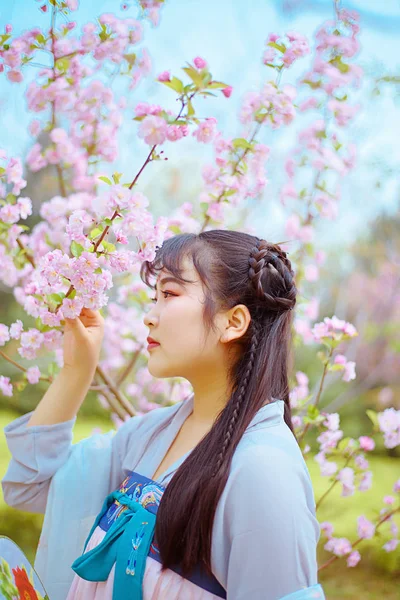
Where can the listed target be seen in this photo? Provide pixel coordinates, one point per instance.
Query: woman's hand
(82, 342)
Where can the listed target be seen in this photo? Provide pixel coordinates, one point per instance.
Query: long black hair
(235, 268)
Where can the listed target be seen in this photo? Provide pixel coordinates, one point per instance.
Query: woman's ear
(237, 321)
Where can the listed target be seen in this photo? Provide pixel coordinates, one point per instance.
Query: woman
(208, 498)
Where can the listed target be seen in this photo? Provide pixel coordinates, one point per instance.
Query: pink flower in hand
(200, 63)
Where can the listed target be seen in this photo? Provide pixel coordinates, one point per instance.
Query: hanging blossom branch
(229, 183)
(342, 547)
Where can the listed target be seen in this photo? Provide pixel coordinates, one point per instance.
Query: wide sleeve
(39, 451)
(270, 528)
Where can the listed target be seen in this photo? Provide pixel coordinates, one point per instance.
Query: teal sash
(126, 543)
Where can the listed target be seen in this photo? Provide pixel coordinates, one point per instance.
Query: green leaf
(312, 412)
(76, 249)
(175, 84)
(343, 443)
(62, 64)
(106, 180)
(130, 58)
(191, 110)
(216, 85)
(108, 247)
(280, 47)
(313, 85)
(195, 76)
(339, 64)
(98, 271)
(116, 177)
(96, 232)
(241, 143)
(40, 38)
(108, 221)
(335, 367)
(55, 299)
(373, 417)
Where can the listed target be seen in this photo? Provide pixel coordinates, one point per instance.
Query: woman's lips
(152, 345)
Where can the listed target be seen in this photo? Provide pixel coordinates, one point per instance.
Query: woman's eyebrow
(172, 279)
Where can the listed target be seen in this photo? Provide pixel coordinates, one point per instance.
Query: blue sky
(230, 35)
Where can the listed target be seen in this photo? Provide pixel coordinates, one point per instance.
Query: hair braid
(252, 355)
(266, 255)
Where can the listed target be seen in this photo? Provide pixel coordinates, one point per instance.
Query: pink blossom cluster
(283, 51)
(389, 425)
(351, 477)
(155, 127)
(151, 10)
(92, 115)
(14, 52)
(347, 366)
(333, 329)
(301, 391)
(229, 181)
(95, 121)
(272, 106)
(11, 175)
(321, 149)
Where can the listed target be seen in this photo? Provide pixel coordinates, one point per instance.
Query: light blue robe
(265, 530)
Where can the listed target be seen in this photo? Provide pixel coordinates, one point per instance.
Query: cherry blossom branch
(111, 385)
(243, 156)
(21, 368)
(113, 403)
(318, 397)
(318, 504)
(53, 102)
(29, 257)
(146, 162)
(10, 360)
(128, 367)
(383, 520)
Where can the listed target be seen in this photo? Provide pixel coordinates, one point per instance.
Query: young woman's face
(175, 320)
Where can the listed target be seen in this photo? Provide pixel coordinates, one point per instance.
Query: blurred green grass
(376, 576)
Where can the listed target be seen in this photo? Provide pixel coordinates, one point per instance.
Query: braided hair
(234, 268)
(261, 256)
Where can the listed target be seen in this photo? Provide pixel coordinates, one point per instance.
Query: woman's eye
(168, 293)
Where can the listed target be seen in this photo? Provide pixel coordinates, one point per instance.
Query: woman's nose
(149, 318)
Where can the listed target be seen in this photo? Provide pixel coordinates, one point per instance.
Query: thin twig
(128, 367)
(21, 368)
(334, 558)
(112, 387)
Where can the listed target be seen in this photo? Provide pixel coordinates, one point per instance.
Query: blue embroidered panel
(148, 492)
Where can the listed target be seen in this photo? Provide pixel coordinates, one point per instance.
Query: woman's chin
(157, 370)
